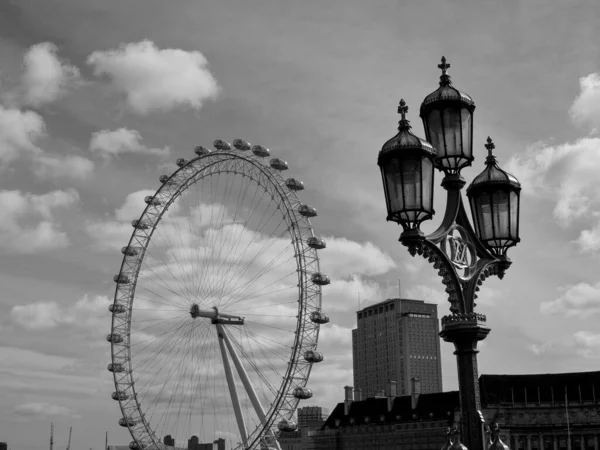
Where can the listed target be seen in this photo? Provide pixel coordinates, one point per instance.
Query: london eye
(217, 307)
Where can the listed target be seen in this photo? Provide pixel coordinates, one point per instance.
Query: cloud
(566, 173)
(343, 258)
(112, 234)
(156, 79)
(40, 409)
(587, 344)
(67, 166)
(46, 77)
(111, 143)
(27, 224)
(88, 312)
(19, 130)
(430, 295)
(581, 300)
(585, 110)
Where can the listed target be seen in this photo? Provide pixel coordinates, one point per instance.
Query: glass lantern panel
(427, 196)
(434, 128)
(514, 215)
(452, 132)
(466, 120)
(393, 182)
(411, 182)
(500, 201)
(484, 217)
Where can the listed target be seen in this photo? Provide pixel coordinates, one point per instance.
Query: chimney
(348, 399)
(392, 390)
(391, 394)
(415, 384)
(357, 395)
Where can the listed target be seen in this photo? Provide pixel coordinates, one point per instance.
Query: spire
(444, 78)
(490, 146)
(404, 124)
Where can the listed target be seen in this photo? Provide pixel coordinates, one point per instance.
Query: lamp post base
(465, 331)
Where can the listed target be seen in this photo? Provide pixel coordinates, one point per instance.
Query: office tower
(396, 340)
(312, 416)
(168, 440)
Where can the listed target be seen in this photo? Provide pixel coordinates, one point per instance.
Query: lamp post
(464, 255)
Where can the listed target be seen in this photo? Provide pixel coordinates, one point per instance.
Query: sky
(99, 99)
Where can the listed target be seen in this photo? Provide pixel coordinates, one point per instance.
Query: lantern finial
(445, 78)
(490, 146)
(404, 124)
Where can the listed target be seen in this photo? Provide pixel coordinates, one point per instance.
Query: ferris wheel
(217, 308)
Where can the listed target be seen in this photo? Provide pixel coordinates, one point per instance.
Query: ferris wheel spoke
(166, 265)
(251, 241)
(175, 374)
(165, 287)
(237, 288)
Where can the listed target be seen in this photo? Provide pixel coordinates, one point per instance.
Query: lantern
(494, 196)
(406, 163)
(447, 116)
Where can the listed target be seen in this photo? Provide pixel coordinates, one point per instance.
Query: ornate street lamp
(406, 163)
(464, 256)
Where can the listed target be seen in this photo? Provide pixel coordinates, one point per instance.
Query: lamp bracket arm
(434, 255)
(453, 204)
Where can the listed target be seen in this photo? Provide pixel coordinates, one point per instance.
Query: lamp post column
(465, 332)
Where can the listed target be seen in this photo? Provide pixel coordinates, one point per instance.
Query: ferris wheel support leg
(232, 390)
(246, 381)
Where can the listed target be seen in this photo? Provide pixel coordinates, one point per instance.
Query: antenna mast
(106, 442)
(69, 444)
(51, 435)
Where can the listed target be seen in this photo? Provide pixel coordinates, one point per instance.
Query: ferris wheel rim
(288, 199)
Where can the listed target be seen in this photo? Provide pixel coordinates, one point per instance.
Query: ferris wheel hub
(215, 316)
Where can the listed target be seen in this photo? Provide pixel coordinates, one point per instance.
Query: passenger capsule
(134, 445)
(287, 425)
(121, 279)
(294, 185)
(319, 317)
(316, 242)
(116, 367)
(139, 224)
(181, 162)
(129, 422)
(313, 357)
(320, 278)
(261, 151)
(302, 393)
(242, 145)
(222, 145)
(307, 211)
(278, 164)
(117, 308)
(163, 178)
(119, 395)
(130, 250)
(201, 151)
(115, 338)
(150, 200)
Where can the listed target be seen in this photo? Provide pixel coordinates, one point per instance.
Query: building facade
(558, 411)
(397, 339)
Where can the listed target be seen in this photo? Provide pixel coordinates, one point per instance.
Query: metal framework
(229, 162)
(463, 263)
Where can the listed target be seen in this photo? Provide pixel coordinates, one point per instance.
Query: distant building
(219, 444)
(168, 440)
(558, 411)
(397, 339)
(416, 422)
(3, 446)
(310, 418)
(535, 412)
